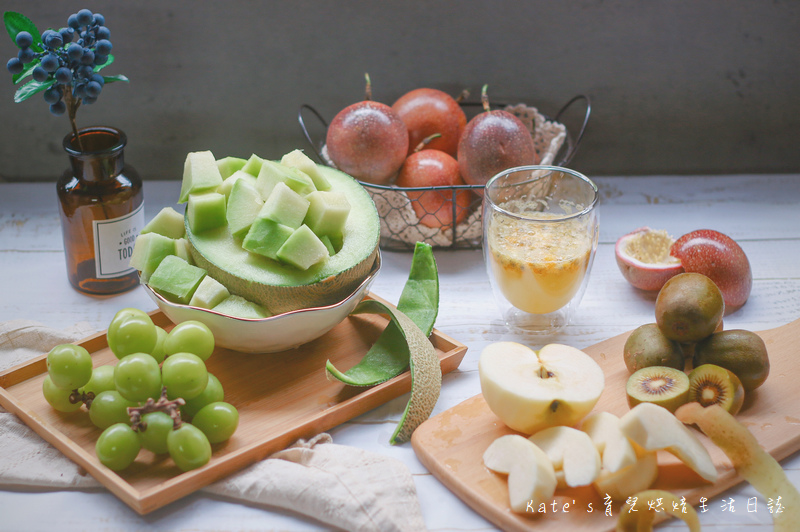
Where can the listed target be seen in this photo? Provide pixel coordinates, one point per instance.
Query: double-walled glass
(540, 230)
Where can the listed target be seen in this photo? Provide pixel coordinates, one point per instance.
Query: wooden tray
(281, 397)
(452, 443)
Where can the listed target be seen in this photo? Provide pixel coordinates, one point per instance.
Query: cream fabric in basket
(342, 486)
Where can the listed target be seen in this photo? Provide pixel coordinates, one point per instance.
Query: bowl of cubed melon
(241, 326)
(269, 254)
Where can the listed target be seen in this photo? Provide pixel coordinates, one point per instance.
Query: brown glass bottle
(101, 207)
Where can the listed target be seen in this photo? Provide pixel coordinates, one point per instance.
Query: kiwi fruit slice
(689, 307)
(742, 352)
(647, 346)
(710, 384)
(660, 385)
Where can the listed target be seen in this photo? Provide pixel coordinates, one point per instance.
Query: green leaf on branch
(31, 88)
(16, 78)
(112, 79)
(16, 22)
(110, 60)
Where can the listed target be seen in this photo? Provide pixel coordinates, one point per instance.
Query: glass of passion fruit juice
(540, 230)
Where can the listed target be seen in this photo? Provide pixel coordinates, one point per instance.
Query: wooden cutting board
(451, 444)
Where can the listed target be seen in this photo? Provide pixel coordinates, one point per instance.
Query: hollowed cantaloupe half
(281, 287)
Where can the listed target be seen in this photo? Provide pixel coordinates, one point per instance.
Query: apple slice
(531, 478)
(653, 428)
(615, 449)
(652, 503)
(621, 484)
(571, 451)
(530, 390)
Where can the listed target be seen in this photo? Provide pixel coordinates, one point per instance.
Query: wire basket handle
(573, 144)
(317, 149)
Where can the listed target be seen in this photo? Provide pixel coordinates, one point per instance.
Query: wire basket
(405, 221)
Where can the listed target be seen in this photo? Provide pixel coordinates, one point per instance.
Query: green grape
(138, 378)
(158, 351)
(218, 421)
(211, 394)
(69, 366)
(133, 332)
(58, 397)
(102, 380)
(188, 447)
(154, 436)
(190, 337)
(108, 408)
(117, 447)
(123, 314)
(184, 375)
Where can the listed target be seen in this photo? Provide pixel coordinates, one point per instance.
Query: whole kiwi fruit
(647, 346)
(741, 352)
(689, 307)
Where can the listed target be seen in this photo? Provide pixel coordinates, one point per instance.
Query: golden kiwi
(689, 307)
(742, 352)
(660, 385)
(647, 346)
(710, 384)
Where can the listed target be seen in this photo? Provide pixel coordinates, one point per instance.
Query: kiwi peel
(710, 384)
(660, 385)
(647, 346)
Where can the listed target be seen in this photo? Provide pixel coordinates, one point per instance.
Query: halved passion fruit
(644, 260)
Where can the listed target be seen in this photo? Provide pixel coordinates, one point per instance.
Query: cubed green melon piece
(167, 222)
(200, 174)
(244, 205)
(327, 212)
(241, 308)
(266, 237)
(209, 293)
(148, 252)
(301, 161)
(273, 173)
(206, 211)
(176, 279)
(303, 249)
(285, 206)
(183, 250)
(227, 184)
(229, 165)
(325, 239)
(253, 165)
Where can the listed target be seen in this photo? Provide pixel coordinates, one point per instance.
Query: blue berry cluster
(65, 60)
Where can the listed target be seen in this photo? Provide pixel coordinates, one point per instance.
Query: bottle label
(113, 243)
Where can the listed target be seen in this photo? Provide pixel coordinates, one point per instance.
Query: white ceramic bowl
(268, 335)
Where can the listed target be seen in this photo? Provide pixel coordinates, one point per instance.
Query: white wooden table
(760, 212)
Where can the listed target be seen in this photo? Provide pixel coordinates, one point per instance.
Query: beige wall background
(683, 86)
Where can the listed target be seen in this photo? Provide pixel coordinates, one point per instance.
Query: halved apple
(653, 428)
(571, 451)
(531, 478)
(530, 390)
(615, 449)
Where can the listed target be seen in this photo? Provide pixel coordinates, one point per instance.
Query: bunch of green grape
(144, 401)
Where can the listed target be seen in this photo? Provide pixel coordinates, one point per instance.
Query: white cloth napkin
(342, 486)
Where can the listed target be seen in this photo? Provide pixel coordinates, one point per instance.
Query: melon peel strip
(749, 459)
(420, 302)
(426, 371)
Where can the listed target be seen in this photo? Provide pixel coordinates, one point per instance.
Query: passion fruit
(643, 257)
(689, 307)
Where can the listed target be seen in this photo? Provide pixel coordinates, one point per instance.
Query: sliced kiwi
(647, 346)
(660, 385)
(710, 384)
